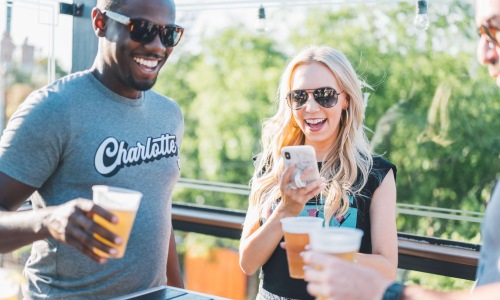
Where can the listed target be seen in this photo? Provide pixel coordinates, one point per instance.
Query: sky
(39, 22)
(208, 22)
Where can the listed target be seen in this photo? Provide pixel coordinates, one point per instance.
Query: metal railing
(401, 208)
(424, 254)
(418, 253)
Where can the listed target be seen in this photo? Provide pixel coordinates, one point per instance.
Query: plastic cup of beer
(123, 203)
(341, 242)
(296, 230)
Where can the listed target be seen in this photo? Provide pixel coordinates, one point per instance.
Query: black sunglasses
(143, 31)
(491, 32)
(324, 96)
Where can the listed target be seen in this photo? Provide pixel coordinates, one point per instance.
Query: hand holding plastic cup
(341, 242)
(296, 230)
(123, 203)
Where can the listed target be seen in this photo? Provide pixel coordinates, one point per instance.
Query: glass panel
(433, 281)
(35, 48)
(201, 254)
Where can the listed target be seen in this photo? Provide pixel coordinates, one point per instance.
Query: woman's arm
(258, 242)
(384, 257)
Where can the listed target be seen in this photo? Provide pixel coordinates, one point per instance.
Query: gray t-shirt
(488, 270)
(76, 133)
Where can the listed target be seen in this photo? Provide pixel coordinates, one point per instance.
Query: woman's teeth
(314, 121)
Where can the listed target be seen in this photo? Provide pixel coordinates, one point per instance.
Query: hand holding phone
(304, 158)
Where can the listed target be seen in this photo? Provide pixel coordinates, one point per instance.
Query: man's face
(488, 50)
(133, 66)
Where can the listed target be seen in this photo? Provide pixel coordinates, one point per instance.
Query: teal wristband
(394, 292)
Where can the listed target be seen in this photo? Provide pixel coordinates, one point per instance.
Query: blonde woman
(319, 104)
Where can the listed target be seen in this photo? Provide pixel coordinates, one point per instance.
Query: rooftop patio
(417, 252)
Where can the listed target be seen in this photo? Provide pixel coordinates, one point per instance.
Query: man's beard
(141, 85)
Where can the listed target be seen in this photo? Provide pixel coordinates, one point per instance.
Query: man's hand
(331, 278)
(72, 224)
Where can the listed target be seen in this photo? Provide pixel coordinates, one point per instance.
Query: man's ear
(98, 22)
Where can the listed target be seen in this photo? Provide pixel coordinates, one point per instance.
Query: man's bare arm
(20, 228)
(70, 223)
(174, 276)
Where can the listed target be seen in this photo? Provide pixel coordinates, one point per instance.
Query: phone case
(303, 157)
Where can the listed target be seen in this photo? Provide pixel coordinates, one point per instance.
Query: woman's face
(320, 125)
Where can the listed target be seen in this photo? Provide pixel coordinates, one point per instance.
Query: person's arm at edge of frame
(18, 229)
(174, 275)
(344, 280)
(384, 257)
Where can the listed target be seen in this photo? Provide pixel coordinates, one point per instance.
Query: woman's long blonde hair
(346, 165)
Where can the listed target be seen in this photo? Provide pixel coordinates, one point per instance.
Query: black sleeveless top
(274, 273)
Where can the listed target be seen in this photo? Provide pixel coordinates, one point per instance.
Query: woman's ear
(98, 22)
(346, 102)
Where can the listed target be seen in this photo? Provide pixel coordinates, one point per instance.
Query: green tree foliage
(432, 109)
(225, 94)
(433, 112)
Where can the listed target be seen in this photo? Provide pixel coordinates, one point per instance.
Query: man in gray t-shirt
(100, 126)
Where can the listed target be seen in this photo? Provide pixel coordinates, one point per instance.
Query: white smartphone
(303, 157)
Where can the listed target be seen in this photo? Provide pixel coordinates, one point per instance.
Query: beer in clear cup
(341, 242)
(123, 203)
(296, 231)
